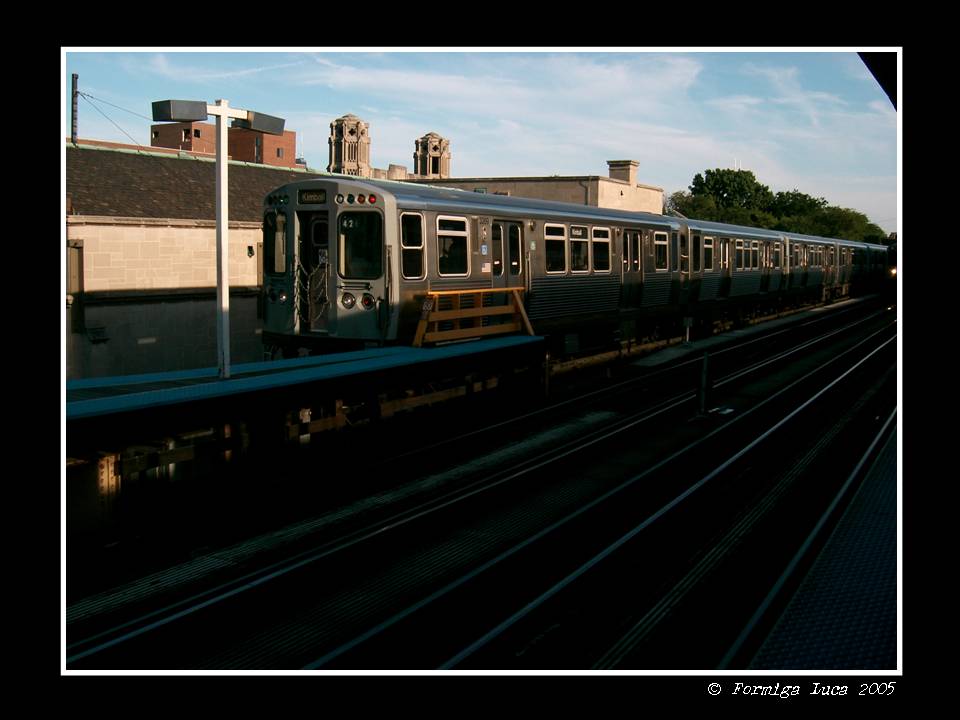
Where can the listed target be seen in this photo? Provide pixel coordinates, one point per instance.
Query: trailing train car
(347, 262)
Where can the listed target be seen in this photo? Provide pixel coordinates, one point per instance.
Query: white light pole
(191, 111)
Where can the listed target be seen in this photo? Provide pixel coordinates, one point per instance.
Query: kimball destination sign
(312, 197)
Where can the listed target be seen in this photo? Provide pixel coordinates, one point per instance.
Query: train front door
(314, 289)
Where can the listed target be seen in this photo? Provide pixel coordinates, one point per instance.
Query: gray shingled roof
(124, 183)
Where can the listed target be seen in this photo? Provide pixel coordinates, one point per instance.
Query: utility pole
(193, 110)
(73, 114)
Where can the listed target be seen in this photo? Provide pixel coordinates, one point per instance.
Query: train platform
(98, 397)
(843, 616)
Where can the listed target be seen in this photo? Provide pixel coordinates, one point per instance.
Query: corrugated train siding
(656, 290)
(709, 286)
(460, 284)
(774, 282)
(572, 295)
(745, 283)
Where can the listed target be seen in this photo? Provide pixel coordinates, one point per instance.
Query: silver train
(347, 262)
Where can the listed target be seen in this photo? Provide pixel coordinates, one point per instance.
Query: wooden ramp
(463, 314)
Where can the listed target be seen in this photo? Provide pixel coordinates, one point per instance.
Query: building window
(555, 248)
(280, 153)
(196, 132)
(601, 250)
(186, 135)
(411, 242)
(156, 134)
(452, 246)
(660, 251)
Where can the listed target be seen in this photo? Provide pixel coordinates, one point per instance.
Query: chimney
(625, 170)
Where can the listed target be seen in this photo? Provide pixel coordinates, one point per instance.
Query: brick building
(242, 144)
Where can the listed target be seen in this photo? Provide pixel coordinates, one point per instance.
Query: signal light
(367, 301)
(348, 300)
(371, 199)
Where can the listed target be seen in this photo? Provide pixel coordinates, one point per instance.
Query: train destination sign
(313, 197)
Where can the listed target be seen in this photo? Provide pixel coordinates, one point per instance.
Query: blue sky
(814, 121)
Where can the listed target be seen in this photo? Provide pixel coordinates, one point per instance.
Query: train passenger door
(632, 277)
(684, 268)
(506, 251)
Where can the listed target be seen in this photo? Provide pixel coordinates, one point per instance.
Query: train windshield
(361, 245)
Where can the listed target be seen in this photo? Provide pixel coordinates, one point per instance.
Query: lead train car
(347, 263)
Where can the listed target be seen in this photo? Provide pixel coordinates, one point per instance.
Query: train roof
(417, 196)
(414, 195)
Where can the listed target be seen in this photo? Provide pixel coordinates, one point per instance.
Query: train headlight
(283, 296)
(893, 271)
(348, 300)
(367, 301)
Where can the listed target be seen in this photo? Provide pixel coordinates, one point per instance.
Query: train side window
(674, 252)
(555, 248)
(684, 254)
(453, 257)
(601, 249)
(739, 265)
(660, 251)
(708, 254)
(776, 255)
(579, 249)
(697, 248)
(411, 245)
(516, 249)
(756, 254)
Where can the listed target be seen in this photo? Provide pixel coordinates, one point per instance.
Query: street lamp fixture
(195, 111)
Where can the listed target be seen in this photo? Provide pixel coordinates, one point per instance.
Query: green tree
(732, 189)
(736, 197)
(701, 207)
(848, 224)
(795, 203)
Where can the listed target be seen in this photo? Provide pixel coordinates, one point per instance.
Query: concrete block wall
(127, 254)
